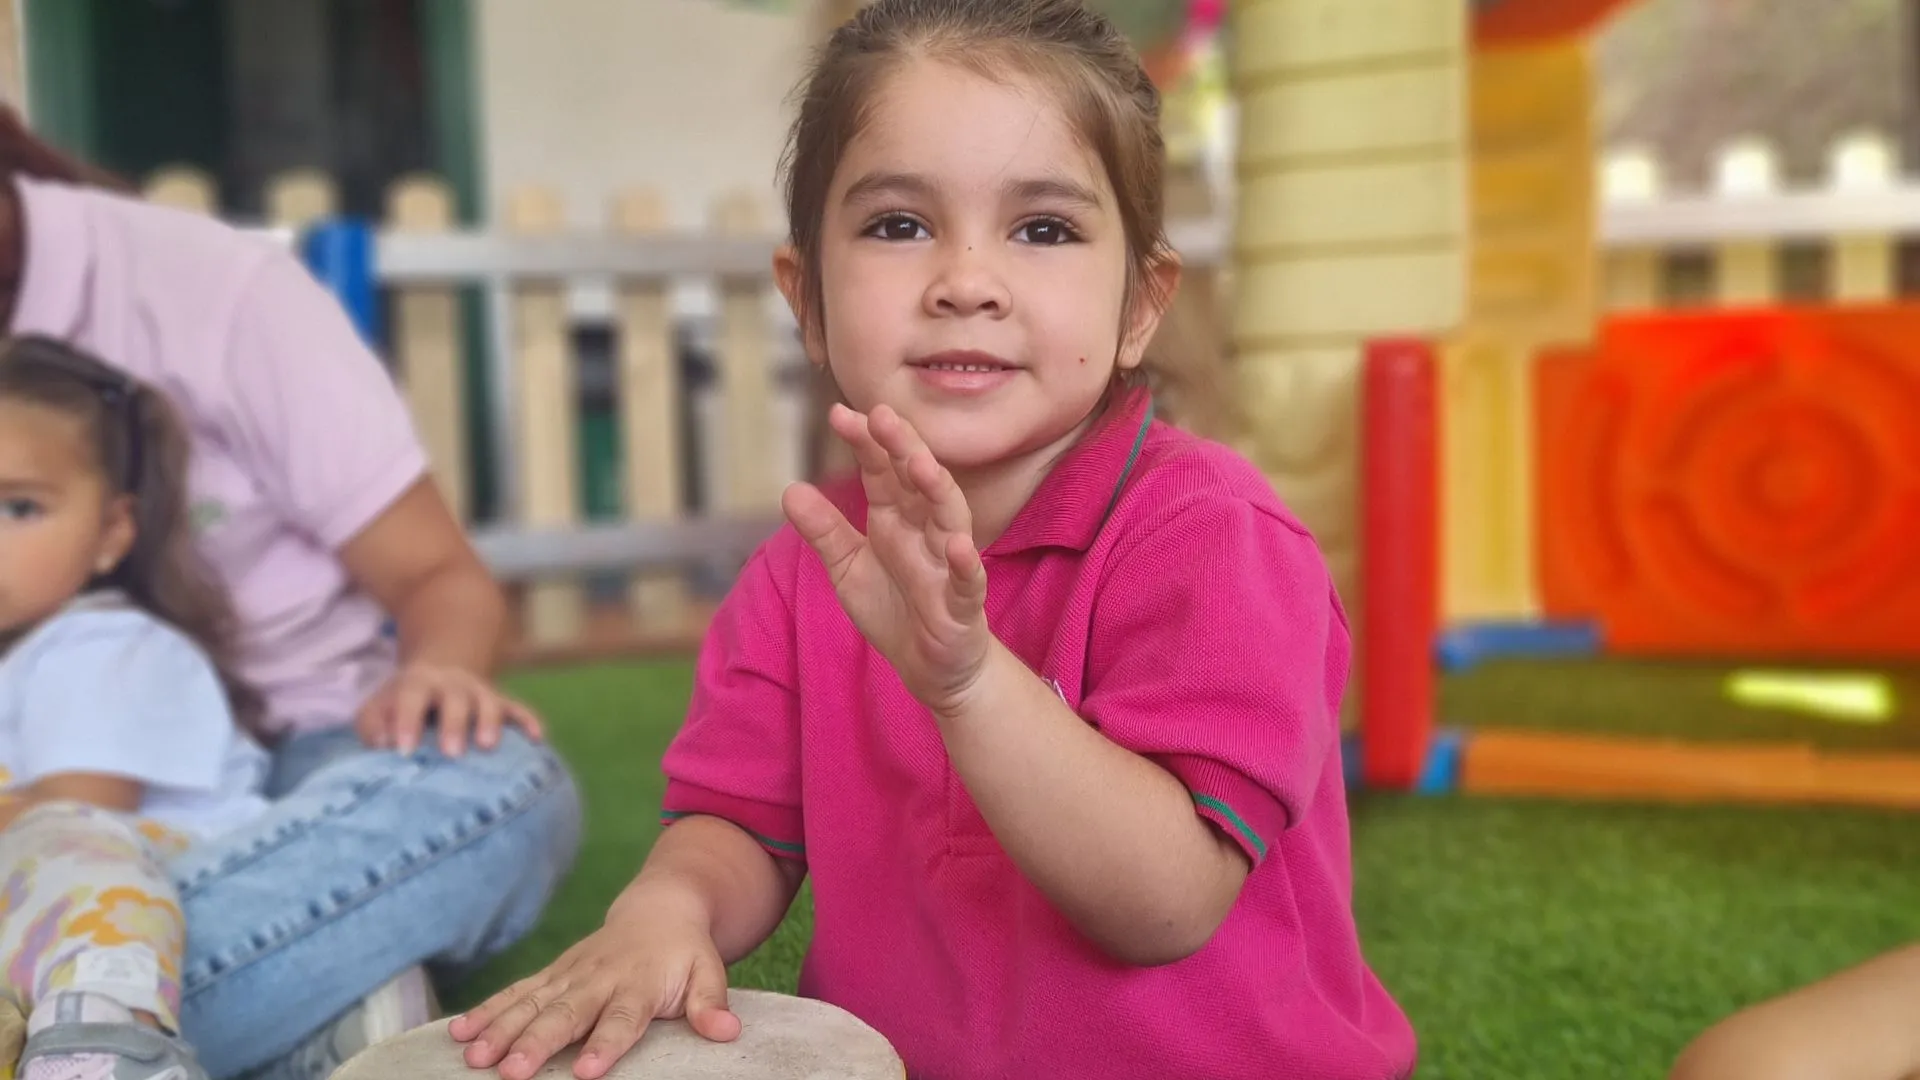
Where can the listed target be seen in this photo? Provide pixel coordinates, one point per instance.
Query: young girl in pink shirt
(1046, 705)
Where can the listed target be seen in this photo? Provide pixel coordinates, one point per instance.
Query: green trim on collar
(1133, 457)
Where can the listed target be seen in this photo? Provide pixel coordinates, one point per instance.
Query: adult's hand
(465, 706)
(416, 562)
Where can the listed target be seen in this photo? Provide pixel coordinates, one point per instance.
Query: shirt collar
(1074, 501)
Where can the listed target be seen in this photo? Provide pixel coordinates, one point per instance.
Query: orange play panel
(1736, 483)
(1530, 22)
(1547, 764)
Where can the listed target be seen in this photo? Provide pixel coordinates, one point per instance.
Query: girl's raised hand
(914, 584)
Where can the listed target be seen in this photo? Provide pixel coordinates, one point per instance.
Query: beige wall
(592, 96)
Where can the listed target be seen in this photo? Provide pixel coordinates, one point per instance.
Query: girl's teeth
(982, 368)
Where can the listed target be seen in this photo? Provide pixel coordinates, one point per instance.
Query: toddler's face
(59, 526)
(973, 268)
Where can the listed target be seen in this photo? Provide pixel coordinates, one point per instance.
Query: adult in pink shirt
(1047, 704)
(307, 931)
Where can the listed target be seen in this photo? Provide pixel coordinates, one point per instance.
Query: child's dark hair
(140, 448)
(1073, 50)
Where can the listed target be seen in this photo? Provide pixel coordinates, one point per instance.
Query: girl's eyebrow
(876, 185)
(1055, 189)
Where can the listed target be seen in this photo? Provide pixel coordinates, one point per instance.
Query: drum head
(781, 1038)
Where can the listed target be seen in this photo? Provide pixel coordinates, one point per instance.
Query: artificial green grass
(1660, 699)
(1525, 939)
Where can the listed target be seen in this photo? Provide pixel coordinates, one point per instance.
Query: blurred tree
(1684, 77)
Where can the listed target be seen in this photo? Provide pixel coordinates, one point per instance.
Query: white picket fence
(1745, 241)
(1748, 240)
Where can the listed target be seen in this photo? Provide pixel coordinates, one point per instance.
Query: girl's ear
(117, 535)
(790, 275)
(1150, 303)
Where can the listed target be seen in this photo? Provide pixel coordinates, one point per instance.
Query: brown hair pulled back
(140, 448)
(22, 153)
(1093, 71)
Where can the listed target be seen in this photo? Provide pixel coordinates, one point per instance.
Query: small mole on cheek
(1083, 359)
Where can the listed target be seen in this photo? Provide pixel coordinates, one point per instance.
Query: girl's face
(974, 269)
(59, 524)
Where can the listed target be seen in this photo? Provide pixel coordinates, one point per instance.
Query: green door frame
(454, 105)
(453, 100)
(60, 52)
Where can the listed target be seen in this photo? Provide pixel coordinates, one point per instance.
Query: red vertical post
(1399, 559)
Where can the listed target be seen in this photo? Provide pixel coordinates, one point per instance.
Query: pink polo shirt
(1160, 585)
(298, 435)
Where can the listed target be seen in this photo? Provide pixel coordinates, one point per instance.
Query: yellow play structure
(1416, 236)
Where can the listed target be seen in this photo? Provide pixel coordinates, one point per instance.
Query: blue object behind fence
(340, 254)
(1461, 647)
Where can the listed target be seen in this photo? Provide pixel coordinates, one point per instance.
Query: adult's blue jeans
(368, 864)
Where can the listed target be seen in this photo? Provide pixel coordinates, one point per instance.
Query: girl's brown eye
(896, 227)
(1048, 232)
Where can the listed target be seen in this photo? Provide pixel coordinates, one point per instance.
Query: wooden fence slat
(183, 188)
(546, 400)
(298, 198)
(746, 376)
(427, 343)
(1632, 275)
(1746, 272)
(1863, 267)
(650, 429)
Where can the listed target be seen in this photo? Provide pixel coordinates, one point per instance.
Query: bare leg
(1860, 1024)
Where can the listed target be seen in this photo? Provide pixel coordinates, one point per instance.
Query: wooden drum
(781, 1038)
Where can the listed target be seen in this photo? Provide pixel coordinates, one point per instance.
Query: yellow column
(1351, 227)
(1533, 283)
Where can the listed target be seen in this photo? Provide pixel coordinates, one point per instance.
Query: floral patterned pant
(86, 904)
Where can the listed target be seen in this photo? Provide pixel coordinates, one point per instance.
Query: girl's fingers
(823, 527)
(903, 446)
(931, 488)
(966, 579)
(898, 438)
(946, 504)
(876, 470)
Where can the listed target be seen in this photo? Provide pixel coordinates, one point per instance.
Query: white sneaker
(400, 1006)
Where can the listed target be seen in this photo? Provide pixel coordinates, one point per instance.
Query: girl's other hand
(914, 584)
(606, 990)
(464, 705)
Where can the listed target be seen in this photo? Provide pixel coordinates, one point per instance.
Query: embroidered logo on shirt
(207, 513)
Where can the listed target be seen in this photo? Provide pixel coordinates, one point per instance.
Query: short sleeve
(738, 755)
(320, 422)
(121, 694)
(1220, 650)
